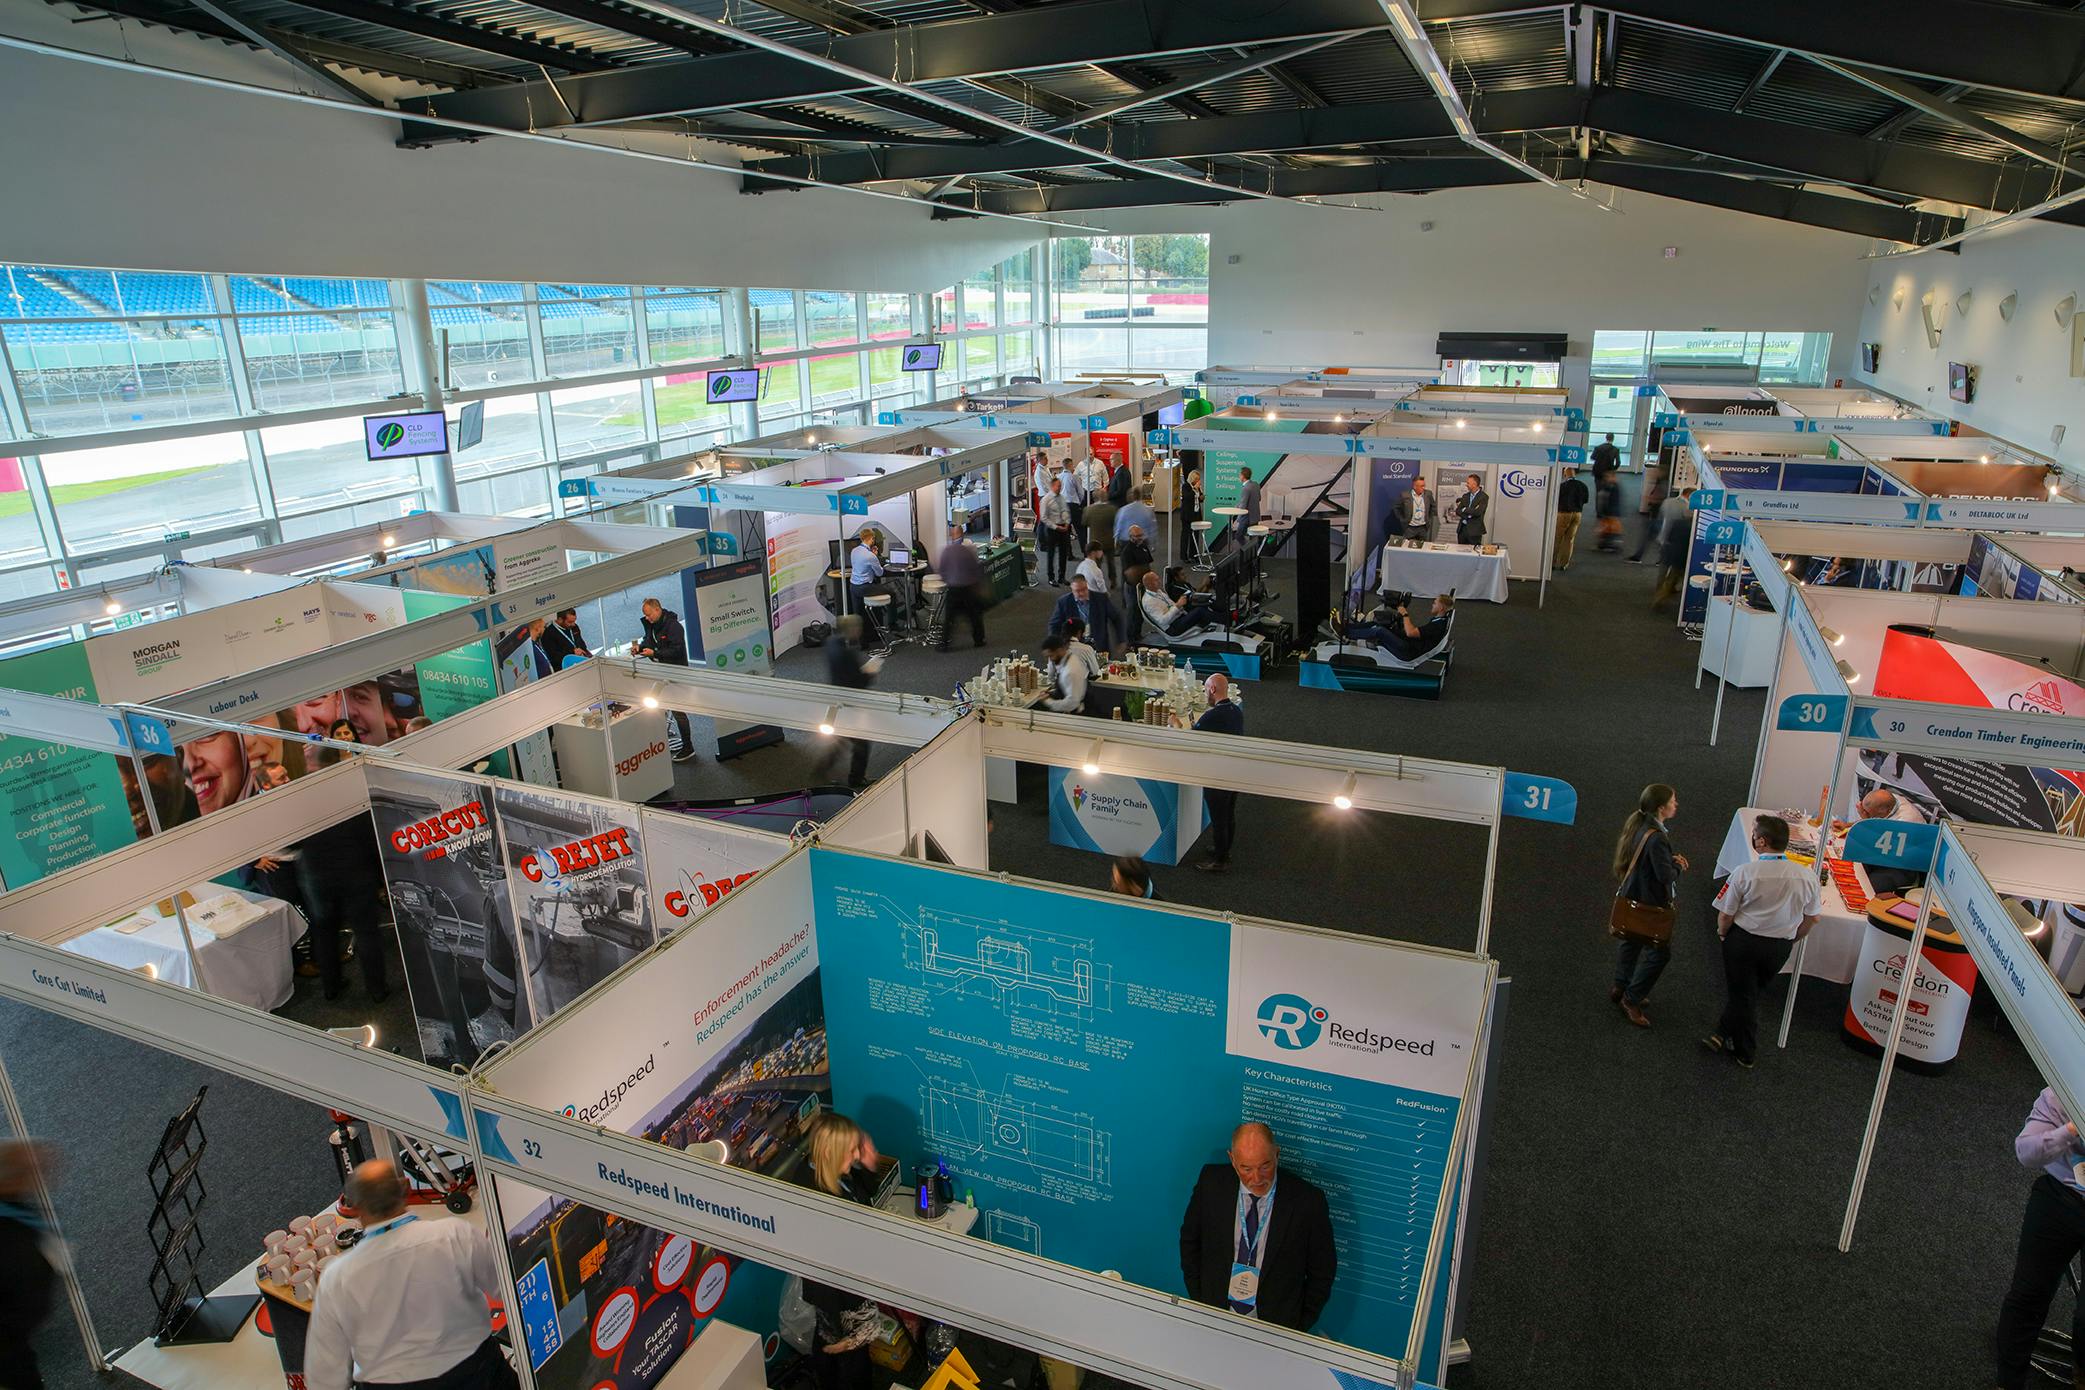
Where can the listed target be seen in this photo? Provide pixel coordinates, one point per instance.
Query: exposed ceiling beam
(1888, 126)
(346, 55)
(1938, 107)
(1180, 86)
(1297, 87)
(1334, 128)
(475, 38)
(1760, 77)
(2031, 49)
(1405, 176)
(253, 33)
(1584, 44)
(1058, 35)
(1852, 215)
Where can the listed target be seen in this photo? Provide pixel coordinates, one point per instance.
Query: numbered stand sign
(1540, 798)
(1894, 844)
(1815, 713)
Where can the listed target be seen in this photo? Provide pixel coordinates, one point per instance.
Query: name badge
(1245, 1287)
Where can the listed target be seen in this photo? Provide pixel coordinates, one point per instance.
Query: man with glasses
(1257, 1243)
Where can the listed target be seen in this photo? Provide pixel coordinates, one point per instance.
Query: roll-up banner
(730, 629)
(63, 805)
(576, 870)
(439, 839)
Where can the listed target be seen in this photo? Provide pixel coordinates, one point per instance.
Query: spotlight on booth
(1270, 415)
(1837, 639)
(148, 970)
(1344, 797)
(1462, 424)
(1788, 565)
(650, 700)
(715, 1150)
(390, 541)
(832, 715)
(359, 1035)
(1091, 766)
(1846, 669)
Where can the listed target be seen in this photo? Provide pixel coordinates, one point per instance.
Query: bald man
(406, 1305)
(1258, 1241)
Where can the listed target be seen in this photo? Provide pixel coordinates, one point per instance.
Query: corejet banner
(440, 844)
(1077, 1070)
(64, 805)
(576, 870)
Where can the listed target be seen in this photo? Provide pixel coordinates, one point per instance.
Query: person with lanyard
(1254, 1242)
(406, 1305)
(2052, 1233)
(28, 1276)
(562, 641)
(1411, 516)
(1765, 907)
(1074, 499)
(1222, 717)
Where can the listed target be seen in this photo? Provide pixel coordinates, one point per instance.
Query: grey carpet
(1652, 1217)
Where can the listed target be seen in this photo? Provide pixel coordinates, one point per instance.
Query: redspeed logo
(428, 834)
(639, 759)
(676, 902)
(578, 856)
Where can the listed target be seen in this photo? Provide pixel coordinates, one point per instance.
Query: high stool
(1198, 540)
(834, 578)
(935, 590)
(876, 613)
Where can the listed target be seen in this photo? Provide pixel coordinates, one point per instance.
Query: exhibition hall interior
(936, 694)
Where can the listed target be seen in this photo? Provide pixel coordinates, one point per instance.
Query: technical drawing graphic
(1025, 971)
(963, 1121)
(1013, 1231)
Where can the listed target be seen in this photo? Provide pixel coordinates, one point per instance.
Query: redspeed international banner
(576, 868)
(463, 964)
(694, 863)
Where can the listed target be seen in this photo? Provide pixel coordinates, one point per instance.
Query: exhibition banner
(1112, 815)
(439, 841)
(534, 760)
(1112, 447)
(977, 1022)
(454, 681)
(730, 631)
(1221, 460)
(464, 570)
(64, 805)
(695, 863)
(527, 557)
(799, 551)
(1388, 480)
(576, 871)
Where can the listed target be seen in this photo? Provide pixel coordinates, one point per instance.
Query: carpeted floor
(1652, 1217)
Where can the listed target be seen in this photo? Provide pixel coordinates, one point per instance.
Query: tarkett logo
(389, 435)
(1290, 1021)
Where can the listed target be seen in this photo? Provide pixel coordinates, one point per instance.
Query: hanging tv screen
(1871, 356)
(734, 384)
(921, 357)
(406, 436)
(1961, 381)
(470, 425)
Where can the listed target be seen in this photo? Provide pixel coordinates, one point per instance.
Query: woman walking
(1648, 874)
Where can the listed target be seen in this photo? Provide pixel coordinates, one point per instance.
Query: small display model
(1961, 381)
(921, 357)
(734, 384)
(406, 436)
(1871, 356)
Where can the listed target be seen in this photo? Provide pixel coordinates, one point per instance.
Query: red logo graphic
(676, 902)
(580, 855)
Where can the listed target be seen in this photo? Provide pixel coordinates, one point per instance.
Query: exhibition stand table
(1833, 951)
(1465, 571)
(242, 940)
(1006, 571)
(1745, 657)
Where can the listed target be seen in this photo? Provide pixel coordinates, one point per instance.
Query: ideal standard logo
(389, 435)
(1514, 483)
(1290, 1021)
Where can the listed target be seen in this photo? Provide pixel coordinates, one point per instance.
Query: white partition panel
(465, 737)
(945, 795)
(875, 820)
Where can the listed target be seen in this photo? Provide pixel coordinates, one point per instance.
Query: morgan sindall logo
(388, 436)
(1290, 1021)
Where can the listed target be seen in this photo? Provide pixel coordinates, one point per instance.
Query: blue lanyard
(393, 1224)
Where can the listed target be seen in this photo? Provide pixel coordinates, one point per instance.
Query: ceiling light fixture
(1091, 766)
(1344, 797)
(390, 541)
(650, 700)
(355, 1035)
(832, 715)
(1846, 670)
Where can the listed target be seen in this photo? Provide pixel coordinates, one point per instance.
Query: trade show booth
(1474, 401)
(818, 963)
(1221, 386)
(1699, 409)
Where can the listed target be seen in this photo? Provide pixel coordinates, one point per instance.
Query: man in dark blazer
(1470, 509)
(1103, 623)
(1255, 1243)
(1412, 514)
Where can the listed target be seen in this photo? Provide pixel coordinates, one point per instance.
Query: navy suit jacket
(1105, 628)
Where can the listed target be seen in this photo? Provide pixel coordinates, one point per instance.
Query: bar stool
(834, 578)
(935, 590)
(1198, 540)
(876, 613)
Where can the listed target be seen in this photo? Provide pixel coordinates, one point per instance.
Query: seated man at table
(1172, 616)
(1884, 804)
(1396, 632)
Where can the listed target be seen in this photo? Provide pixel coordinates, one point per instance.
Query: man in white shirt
(406, 1305)
(1093, 478)
(1075, 499)
(1093, 569)
(1070, 670)
(1170, 616)
(1765, 907)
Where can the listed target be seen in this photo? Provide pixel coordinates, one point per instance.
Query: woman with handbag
(1648, 874)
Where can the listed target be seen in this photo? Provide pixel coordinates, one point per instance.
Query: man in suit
(1411, 517)
(1103, 623)
(562, 640)
(1257, 1246)
(1470, 509)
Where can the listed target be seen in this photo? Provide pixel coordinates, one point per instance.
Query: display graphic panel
(406, 436)
(694, 864)
(64, 805)
(1076, 1070)
(737, 384)
(439, 841)
(576, 871)
(1106, 814)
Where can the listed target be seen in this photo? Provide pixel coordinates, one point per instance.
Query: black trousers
(1078, 524)
(1056, 546)
(680, 721)
(2051, 1235)
(1223, 822)
(352, 908)
(484, 1369)
(1749, 962)
(964, 601)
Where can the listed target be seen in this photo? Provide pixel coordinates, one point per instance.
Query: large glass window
(513, 435)
(774, 319)
(326, 463)
(130, 494)
(1622, 353)
(1130, 302)
(942, 312)
(21, 538)
(890, 316)
(980, 357)
(484, 324)
(312, 342)
(684, 325)
(526, 493)
(587, 419)
(835, 379)
(886, 377)
(586, 328)
(105, 350)
(781, 392)
(1017, 279)
(829, 318)
(682, 402)
(981, 299)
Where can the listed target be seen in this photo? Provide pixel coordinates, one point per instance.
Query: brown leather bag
(1630, 920)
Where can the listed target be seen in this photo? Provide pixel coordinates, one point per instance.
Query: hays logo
(2043, 697)
(1290, 1021)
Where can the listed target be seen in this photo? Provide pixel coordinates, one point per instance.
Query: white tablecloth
(1462, 570)
(1834, 948)
(245, 959)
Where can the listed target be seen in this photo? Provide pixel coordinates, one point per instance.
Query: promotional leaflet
(439, 841)
(576, 871)
(977, 1023)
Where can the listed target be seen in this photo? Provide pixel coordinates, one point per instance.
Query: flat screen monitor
(901, 558)
(470, 426)
(1871, 356)
(1961, 381)
(406, 436)
(921, 357)
(734, 384)
(1174, 414)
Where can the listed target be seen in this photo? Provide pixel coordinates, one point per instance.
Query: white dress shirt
(406, 1303)
(1770, 896)
(1096, 574)
(1093, 478)
(1069, 675)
